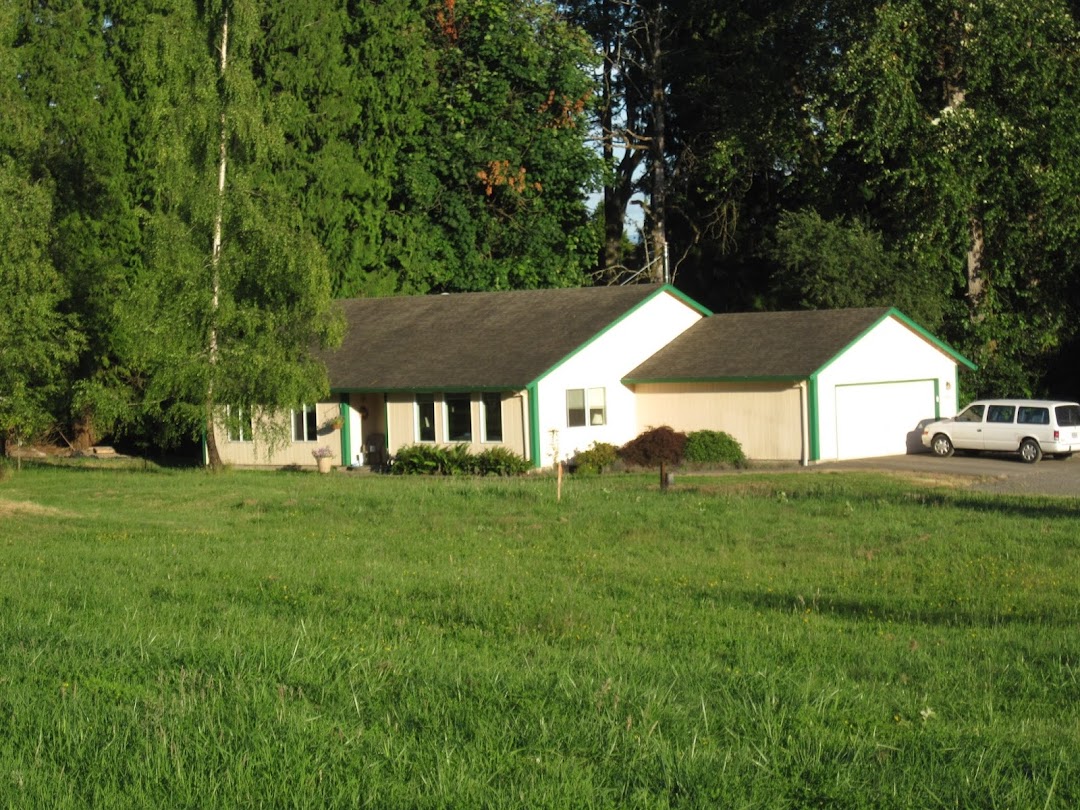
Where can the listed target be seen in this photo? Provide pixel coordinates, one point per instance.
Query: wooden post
(558, 487)
(663, 478)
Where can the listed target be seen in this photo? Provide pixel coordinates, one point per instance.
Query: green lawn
(181, 639)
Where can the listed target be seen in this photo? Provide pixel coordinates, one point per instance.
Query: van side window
(1033, 416)
(1000, 413)
(972, 414)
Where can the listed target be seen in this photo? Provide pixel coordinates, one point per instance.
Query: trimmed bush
(714, 447)
(499, 461)
(656, 446)
(595, 459)
(434, 459)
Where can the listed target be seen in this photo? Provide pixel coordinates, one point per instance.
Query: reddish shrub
(654, 447)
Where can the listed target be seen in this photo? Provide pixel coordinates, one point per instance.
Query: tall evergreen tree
(38, 338)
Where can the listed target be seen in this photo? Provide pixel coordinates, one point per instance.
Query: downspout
(804, 444)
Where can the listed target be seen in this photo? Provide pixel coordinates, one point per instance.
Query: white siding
(602, 364)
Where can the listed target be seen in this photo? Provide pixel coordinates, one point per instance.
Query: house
(536, 371)
(545, 373)
(812, 385)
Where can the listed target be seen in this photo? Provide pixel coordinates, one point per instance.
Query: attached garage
(807, 386)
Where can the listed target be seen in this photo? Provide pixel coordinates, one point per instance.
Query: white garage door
(876, 419)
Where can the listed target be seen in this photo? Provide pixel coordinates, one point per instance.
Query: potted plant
(334, 423)
(323, 457)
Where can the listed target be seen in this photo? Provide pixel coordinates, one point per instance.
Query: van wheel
(941, 446)
(1030, 451)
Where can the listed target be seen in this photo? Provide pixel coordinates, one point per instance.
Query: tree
(38, 340)
(238, 288)
(970, 115)
(491, 190)
(72, 95)
(835, 264)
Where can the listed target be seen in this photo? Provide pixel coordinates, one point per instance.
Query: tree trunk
(657, 150)
(213, 457)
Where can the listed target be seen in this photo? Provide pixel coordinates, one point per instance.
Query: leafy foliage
(714, 447)
(833, 264)
(595, 459)
(434, 459)
(656, 446)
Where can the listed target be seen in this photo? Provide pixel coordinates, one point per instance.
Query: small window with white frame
(596, 401)
(586, 406)
(425, 417)
(304, 428)
(491, 426)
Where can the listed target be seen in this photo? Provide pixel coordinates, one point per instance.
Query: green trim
(688, 380)
(812, 416)
(346, 437)
(665, 289)
(532, 391)
(437, 389)
(937, 398)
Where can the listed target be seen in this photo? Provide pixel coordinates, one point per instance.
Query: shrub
(654, 447)
(499, 461)
(595, 459)
(433, 459)
(714, 447)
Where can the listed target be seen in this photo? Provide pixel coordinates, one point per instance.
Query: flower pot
(324, 464)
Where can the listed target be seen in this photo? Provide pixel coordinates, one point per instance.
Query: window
(1034, 416)
(575, 407)
(585, 404)
(597, 407)
(1000, 413)
(1067, 415)
(458, 417)
(491, 417)
(304, 428)
(972, 414)
(425, 417)
(239, 424)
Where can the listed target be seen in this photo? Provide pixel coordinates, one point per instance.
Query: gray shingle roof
(470, 341)
(785, 345)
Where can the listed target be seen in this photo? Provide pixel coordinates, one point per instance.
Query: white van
(1030, 427)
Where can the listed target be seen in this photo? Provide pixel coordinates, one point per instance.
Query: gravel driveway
(984, 473)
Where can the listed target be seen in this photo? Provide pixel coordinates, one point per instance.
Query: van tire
(941, 446)
(1030, 452)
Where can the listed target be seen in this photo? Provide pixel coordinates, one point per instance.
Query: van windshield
(1068, 415)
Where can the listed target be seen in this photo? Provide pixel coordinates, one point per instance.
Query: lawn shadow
(881, 610)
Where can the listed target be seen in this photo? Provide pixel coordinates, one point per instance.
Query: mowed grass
(181, 639)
